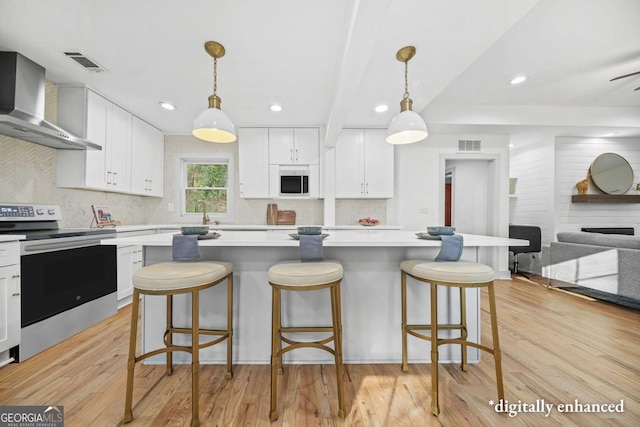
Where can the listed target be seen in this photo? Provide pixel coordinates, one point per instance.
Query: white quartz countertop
(252, 227)
(336, 238)
(12, 237)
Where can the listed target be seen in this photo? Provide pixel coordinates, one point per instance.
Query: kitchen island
(370, 294)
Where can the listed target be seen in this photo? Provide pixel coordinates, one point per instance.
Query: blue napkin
(185, 247)
(451, 248)
(311, 247)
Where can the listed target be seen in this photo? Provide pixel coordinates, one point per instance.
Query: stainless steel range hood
(22, 96)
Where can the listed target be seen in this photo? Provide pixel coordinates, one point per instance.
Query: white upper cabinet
(293, 146)
(253, 162)
(364, 164)
(119, 150)
(147, 159)
(131, 159)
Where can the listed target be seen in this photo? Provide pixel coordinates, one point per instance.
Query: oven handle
(67, 245)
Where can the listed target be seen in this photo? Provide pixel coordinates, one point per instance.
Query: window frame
(182, 160)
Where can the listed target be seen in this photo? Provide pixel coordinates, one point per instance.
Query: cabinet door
(147, 159)
(253, 162)
(155, 172)
(129, 261)
(98, 115)
(9, 298)
(378, 164)
(281, 151)
(349, 164)
(139, 156)
(118, 149)
(306, 146)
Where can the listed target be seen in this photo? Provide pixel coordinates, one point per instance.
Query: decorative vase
(272, 214)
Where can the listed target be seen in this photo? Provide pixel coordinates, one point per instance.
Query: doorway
(469, 189)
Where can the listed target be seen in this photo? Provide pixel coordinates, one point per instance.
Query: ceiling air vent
(85, 61)
(469, 146)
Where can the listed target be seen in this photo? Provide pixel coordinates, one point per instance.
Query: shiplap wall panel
(533, 204)
(573, 157)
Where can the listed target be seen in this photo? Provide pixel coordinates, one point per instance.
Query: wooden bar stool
(172, 278)
(305, 276)
(462, 275)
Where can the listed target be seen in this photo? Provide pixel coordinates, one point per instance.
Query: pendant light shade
(213, 124)
(407, 127)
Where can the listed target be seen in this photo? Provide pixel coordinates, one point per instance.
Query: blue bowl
(201, 230)
(310, 230)
(441, 230)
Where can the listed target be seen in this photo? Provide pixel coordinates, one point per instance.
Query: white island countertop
(11, 237)
(370, 292)
(336, 238)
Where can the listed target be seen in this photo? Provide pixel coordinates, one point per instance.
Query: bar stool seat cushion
(454, 272)
(296, 273)
(176, 275)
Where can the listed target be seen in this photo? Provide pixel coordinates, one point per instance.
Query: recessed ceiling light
(275, 107)
(381, 108)
(167, 106)
(518, 79)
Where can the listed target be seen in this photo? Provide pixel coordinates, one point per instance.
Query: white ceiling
(330, 62)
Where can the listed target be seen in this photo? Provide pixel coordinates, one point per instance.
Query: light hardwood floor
(557, 347)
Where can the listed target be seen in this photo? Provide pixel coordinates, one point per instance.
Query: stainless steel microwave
(294, 181)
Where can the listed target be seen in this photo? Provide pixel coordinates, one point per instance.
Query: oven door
(55, 281)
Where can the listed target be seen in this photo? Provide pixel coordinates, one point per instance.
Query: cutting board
(286, 217)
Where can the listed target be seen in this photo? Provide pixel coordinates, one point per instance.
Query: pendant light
(406, 127)
(213, 124)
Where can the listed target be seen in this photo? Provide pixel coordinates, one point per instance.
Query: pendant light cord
(215, 75)
(406, 80)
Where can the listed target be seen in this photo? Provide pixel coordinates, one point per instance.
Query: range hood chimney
(22, 95)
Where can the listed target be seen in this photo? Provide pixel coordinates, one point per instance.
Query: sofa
(607, 263)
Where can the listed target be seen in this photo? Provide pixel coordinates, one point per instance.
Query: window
(208, 179)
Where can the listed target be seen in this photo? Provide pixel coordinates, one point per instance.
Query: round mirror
(611, 173)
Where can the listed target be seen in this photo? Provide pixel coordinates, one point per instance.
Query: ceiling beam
(366, 18)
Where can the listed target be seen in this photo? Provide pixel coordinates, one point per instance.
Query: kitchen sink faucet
(205, 217)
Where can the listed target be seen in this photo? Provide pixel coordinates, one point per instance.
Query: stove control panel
(29, 212)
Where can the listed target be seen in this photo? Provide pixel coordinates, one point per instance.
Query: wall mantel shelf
(605, 198)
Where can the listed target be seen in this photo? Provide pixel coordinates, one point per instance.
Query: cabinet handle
(291, 154)
(15, 276)
(296, 155)
(108, 179)
(367, 189)
(362, 188)
(114, 178)
(15, 294)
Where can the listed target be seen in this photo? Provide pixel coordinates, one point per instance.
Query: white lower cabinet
(129, 261)
(364, 164)
(9, 298)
